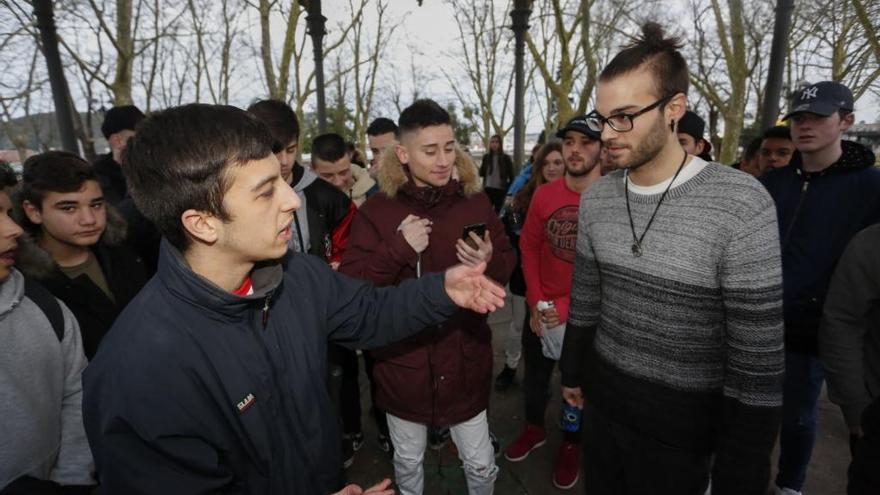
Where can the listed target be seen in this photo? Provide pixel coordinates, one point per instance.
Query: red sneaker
(565, 475)
(530, 439)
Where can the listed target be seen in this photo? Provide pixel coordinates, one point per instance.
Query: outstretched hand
(382, 488)
(469, 288)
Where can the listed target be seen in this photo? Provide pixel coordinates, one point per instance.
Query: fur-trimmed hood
(393, 174)
(37, 263)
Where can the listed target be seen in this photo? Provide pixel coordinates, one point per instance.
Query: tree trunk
(121, 86)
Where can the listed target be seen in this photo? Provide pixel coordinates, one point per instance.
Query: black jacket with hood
(197, 390)
(94, 311)
(818, 215)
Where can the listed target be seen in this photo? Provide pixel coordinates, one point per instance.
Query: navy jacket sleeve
(362, 316)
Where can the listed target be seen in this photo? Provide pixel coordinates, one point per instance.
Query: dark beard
(648, 148)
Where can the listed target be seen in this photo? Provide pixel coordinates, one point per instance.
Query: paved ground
(444, 476)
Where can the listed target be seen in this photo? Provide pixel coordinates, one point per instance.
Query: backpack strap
(47, 304)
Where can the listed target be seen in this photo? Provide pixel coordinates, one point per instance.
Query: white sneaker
(785, 491)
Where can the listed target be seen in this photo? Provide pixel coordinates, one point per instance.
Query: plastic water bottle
(571, 417)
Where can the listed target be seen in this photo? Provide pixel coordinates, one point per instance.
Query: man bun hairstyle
(180, 157)
(381, 126)
(329, 147)
(657, 53)
(422, 113)
(280, 119)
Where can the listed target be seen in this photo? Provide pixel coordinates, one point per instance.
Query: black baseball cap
(823, 98)
(692, 125)
(580, 125)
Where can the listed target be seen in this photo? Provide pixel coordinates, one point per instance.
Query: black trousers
(344, 387)
(539, 371)
(33, 486)
(496, 197)
(618, 460)
(864, 470)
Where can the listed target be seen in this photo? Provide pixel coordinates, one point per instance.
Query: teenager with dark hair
(75, 248)
(214, 378)
(321, 226)
(548, 252)
(496, 170)
(8, 178)
(750, 162)
(430, 194)
(381, 134)
(331, 160)
(690, 136)
(675, 350)
(45, 450)
(829, 192)
(777, 148)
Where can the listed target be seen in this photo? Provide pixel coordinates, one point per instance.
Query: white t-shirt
(690, 170)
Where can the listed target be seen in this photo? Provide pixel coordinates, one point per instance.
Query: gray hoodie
(41, 432)
(302, 220)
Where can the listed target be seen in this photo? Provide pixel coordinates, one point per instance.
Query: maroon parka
(441, 376)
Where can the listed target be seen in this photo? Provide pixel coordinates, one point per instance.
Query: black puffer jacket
(94, 311)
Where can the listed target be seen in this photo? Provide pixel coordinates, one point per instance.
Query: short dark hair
(329, 147)
(752, 148)
(52, 171)
(280, 119)
(179, 160)
(658, 54)
(422, 113)
(777, 132)
(381, 126)
(8, 177)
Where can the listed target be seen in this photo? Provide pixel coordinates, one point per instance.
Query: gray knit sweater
(41, 430)
(684, 343)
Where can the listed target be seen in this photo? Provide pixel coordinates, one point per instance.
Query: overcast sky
(432, 32)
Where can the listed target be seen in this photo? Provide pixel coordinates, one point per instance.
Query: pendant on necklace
(636, 249)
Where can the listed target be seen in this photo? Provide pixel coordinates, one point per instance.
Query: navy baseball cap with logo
(823, 98)
(580, 125)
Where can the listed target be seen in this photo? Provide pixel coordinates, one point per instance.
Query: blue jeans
(803, 383)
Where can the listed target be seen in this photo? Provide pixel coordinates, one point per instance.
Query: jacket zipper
(265, 314)
(264, 318)
(797, 210)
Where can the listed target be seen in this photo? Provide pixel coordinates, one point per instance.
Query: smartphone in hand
(477, 228)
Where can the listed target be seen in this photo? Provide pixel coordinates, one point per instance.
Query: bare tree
(485, 59)
(723, 78)
(367, 58)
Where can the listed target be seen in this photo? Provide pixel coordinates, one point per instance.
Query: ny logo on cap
(810, 93)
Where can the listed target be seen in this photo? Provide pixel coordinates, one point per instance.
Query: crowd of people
(188, 313)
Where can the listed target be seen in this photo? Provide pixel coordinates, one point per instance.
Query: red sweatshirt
(548, 244)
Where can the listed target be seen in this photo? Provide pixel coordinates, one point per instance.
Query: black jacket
(849, 338)
(197, 390)
(326, 207)
(506, 164)
(94, 311)
(111, 178)
(818, 214)
(142, 236)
